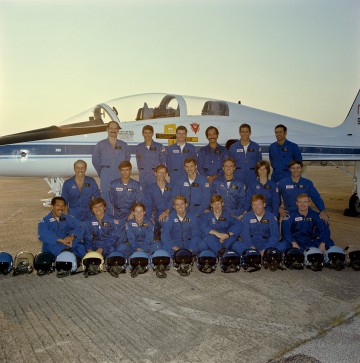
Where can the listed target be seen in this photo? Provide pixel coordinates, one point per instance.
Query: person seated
(61, 232)
(304, 228)
(266, 187)
(231, 190)
(219, 228)
(181, 229)
(101, 230)
(259, 228)
(140, 231)
(78, 191)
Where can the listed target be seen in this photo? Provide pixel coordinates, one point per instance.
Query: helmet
(230, 261)
(353, 257)
(272, 259)
(92, 263)
(23, 263)
(44, 263)
(6, 263)
(206, 261)
(183, 261)
(294, 258)
(335, 258)
(314, 258)
(160, 262)
(116, 263)
(251, 258)
(65, 264)
(139, 263)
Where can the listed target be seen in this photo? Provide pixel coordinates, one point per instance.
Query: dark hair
(229, 159)
(190, 159)
(281, 126)
(55, 199)
(294, 162)
(211, 128)
(148, 127)
(80, 161)
(138, 204)
(243, 126)
(181, 127)
(97, 201)
(160, 166)
(261, 163)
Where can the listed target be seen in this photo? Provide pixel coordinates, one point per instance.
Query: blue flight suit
(307, 231)
(245, 161)
(270, 191)
(50, 230)
(224, 224)
(104, 234)
(79, 201)
(141, 236)
(261, 234)
(234, 196)
(156, 202)
(210, 160)
(197, 193)
(106, 160)
(147, 158)
(175, 159)
(181, 234)
(280, 157)
(289, 191)
(123, 198)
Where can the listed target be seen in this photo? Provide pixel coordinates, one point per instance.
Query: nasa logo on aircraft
(195, 127)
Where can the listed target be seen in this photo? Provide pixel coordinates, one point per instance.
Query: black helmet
(206, 261)
(294, 258)
(139, 263)
(183, 261)
(251, 258)
(160, 262)
(230, 261)
(353, 257)
(44, 263)
(23, 263)
(335, 258)
(116, 264)
(272, 259)
(6, 263)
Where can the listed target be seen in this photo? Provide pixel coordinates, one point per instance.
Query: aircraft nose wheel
(354, 206)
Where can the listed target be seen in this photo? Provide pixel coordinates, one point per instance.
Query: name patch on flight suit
(250, 149)
(195, 184)
(297, 219)
(73, 187)
(134, 224)
(186, 150)
(253, 220)
(213, 220)
(186, 184)
(119, 189)
(266, 221)
(152, 148)
(118, 147)
(239, 150)
(94, 223)
(176, 151)
(285, 149)
(289, 187)
(222, 219)
(51, 220)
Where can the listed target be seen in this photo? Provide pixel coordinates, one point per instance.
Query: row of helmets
(139, 262)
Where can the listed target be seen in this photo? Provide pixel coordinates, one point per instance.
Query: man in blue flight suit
(259, 228)
(78, 191)
(246, 154)
(101, 231)
(158, 200)
(140, 231)
(231, 190)
(194, 187)
(106, 157)
(304, 228)
(181, 229)
(281, 153)
(211, 156)
(290, 188)
(61, 232)
(219, 229)
(124, 192)
(177, 153)
(149, 154)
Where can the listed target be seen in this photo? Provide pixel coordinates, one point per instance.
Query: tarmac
(281, 316)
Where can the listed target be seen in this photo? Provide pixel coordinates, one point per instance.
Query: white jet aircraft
(50, 152)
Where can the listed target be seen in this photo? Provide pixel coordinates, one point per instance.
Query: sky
(299, 58)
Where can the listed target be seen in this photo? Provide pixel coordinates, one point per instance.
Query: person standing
(211, 156)
(177, 153)
(281, 153)
(246, 154)
(106, 157)
(149, 154)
